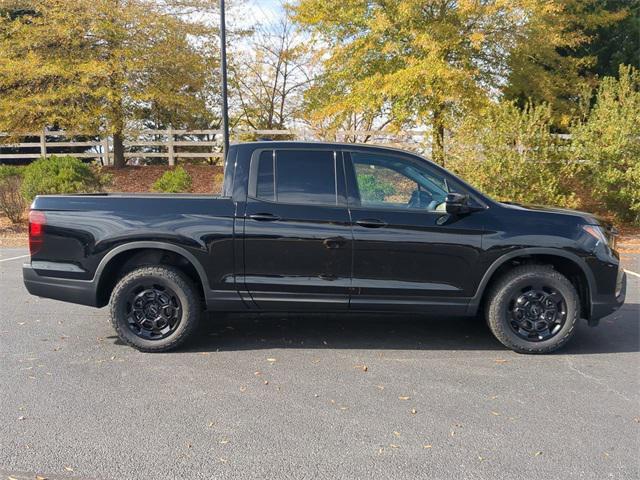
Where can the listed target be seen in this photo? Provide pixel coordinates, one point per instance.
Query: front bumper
(602, 307)
(82, 292)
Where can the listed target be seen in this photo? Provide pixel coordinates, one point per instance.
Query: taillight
(37, 221)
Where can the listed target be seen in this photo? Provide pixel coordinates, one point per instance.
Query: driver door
(408, 252)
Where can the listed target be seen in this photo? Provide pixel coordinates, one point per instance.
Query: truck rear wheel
(533, 309)
(155, 308)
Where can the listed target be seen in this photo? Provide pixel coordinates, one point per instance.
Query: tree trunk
(437, 142)
(118, 150)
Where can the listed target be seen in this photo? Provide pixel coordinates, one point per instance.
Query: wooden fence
(174, 145)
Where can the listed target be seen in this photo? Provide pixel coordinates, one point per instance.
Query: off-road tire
(182, 286)
(498, 317)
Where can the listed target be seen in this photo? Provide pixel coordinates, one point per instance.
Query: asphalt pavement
(312, 396)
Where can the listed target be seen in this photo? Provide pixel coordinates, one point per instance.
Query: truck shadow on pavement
(619, 332)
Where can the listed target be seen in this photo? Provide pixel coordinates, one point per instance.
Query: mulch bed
(205, 178)
(13, 235)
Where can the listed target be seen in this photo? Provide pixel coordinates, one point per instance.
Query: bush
(60, 175)
(373, 189)
(512, 155)
(608, 144)
(173, 181)
(12, 202)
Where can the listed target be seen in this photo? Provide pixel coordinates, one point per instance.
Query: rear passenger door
(297, 233)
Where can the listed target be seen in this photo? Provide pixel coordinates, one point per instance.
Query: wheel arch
(112, 265)
(569, 264)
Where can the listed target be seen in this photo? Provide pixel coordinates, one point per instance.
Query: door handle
(264, 217)
(371, 223)
(334, 242)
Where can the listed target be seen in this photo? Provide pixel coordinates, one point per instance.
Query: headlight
(596, 232)
(602, 236)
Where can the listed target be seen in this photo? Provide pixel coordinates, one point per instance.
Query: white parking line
(25, 256)
(633, 273)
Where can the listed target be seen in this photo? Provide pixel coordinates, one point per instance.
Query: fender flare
(480, 291)
(151, 245)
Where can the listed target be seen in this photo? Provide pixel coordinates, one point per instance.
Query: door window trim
(338, 171)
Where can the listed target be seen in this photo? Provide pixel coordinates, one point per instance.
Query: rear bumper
(82, 292)
(602, 307)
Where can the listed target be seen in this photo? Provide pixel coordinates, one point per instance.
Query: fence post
(105, 150)
(170, 150)
(43, 143)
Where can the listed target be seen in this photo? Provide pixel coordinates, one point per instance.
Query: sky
(263, 11)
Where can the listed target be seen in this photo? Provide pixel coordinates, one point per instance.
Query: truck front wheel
(155, 308)
(533, 309)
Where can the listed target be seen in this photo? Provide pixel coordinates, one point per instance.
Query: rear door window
(297, 176)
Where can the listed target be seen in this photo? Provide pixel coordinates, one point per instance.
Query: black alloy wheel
(153, 311)
(537, 312)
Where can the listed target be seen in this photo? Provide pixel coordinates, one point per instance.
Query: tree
(551, 63)
(268, 78)
(616, 43)
(99, 66)
(426, 62)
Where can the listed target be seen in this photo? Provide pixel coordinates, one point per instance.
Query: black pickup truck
(325, 227)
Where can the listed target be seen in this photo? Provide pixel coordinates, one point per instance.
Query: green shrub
(54, 175)
(12, 202)
(373, 189)
(512, 155)
(608, 144)
(173, 181)
(10, 171)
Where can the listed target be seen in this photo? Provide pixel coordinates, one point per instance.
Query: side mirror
(457, 204)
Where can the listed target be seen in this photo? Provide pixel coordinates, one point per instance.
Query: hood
(588, 218)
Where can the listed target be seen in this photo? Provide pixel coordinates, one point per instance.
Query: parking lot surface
(312, 396)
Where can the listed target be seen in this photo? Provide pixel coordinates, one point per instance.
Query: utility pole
(223, 72)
